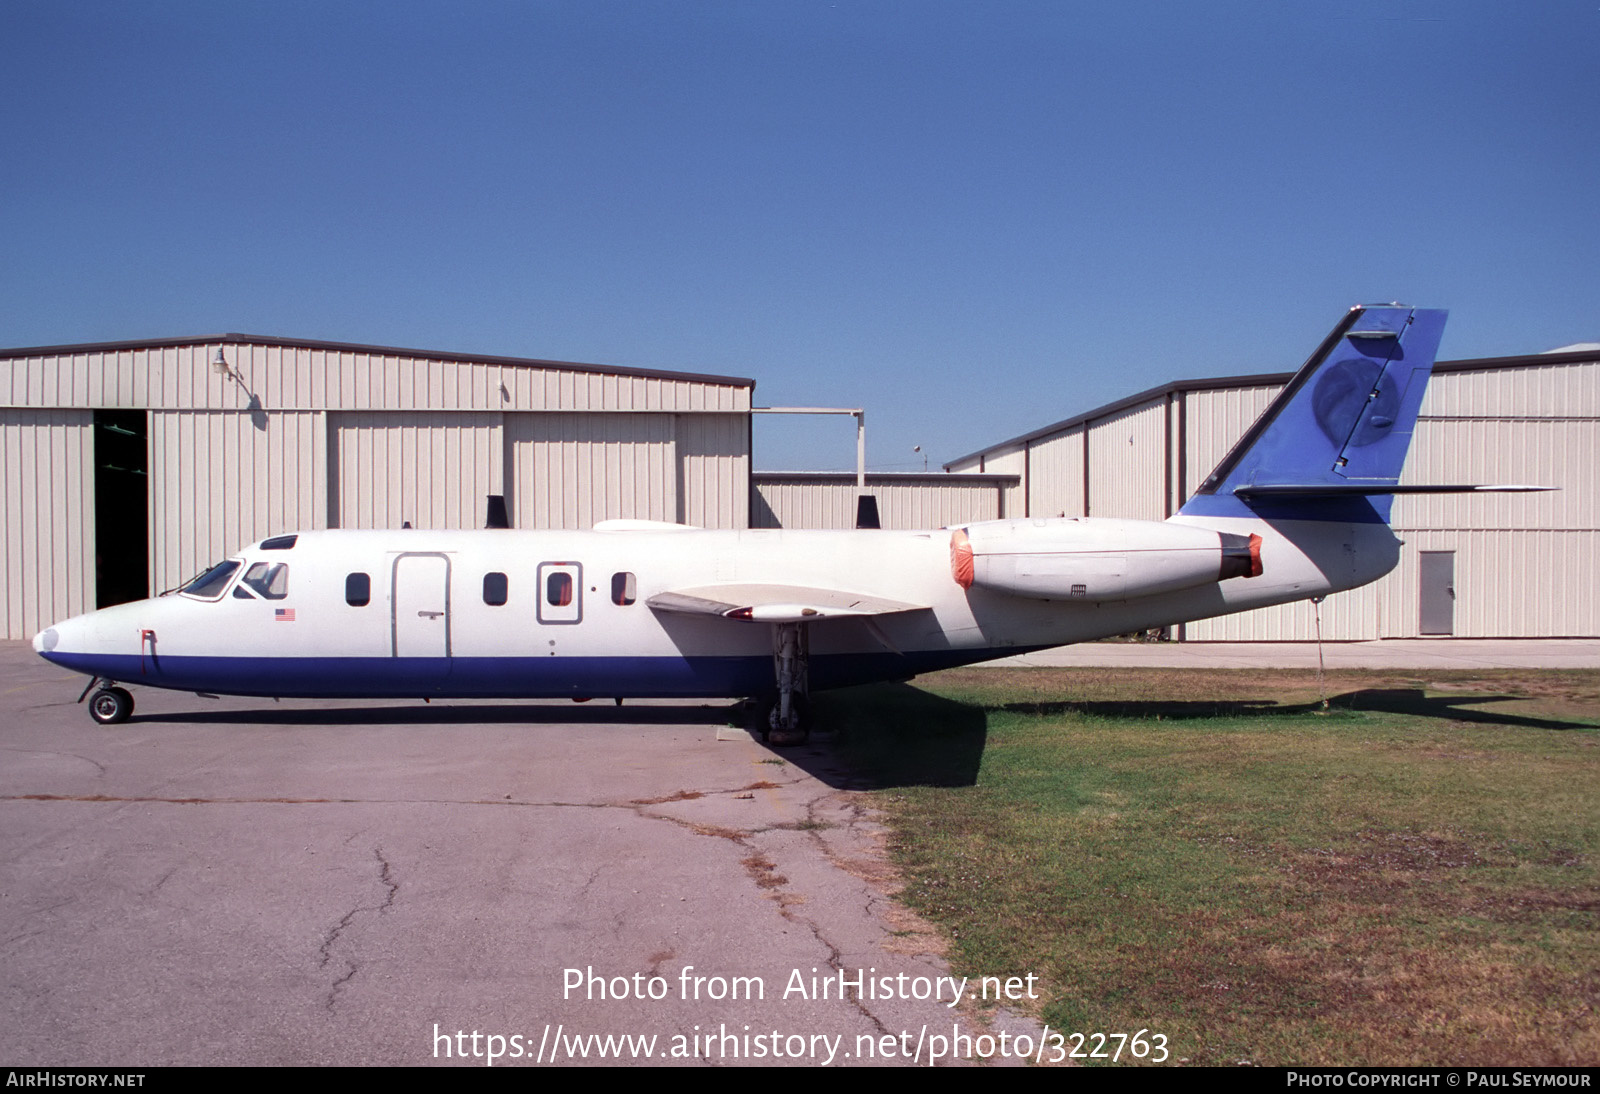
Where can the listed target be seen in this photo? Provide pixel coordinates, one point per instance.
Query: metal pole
(860, 415)
(861, 450)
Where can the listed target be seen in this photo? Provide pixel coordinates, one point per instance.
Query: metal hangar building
(130, 466)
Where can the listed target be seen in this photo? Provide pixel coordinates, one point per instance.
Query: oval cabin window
(623, 589)
(496, 589)
(558, 589)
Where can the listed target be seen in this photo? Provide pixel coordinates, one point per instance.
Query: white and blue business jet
(1298, 509)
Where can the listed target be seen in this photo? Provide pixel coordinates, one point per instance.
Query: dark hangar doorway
(121, 506)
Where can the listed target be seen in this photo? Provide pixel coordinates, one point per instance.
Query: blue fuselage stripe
(503, 677)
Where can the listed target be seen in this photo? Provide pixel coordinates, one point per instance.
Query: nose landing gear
(110, 705)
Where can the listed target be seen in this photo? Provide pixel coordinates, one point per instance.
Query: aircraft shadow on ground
(896, 735)
(1409, 701)
(595, 713)
(869, 737)
(890, 735)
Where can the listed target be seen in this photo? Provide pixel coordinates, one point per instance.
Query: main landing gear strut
(786, 716)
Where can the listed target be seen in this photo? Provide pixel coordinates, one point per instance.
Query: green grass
(1408, 878)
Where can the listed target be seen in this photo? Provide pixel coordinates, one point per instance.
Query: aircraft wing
(775, 603)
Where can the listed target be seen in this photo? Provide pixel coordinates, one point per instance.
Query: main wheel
(798, 731)
(110, 706)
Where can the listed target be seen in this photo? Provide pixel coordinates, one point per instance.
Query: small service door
(1437, 580)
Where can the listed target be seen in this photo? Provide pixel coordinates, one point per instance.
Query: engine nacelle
(1097, 560)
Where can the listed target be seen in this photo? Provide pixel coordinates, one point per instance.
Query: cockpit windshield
(211, 583)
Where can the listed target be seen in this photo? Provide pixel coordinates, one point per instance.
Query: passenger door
(421, 604)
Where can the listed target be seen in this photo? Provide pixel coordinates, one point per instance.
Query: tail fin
(1332, 444)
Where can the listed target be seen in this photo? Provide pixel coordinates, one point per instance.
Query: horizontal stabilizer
(1322, 489)
(775, 603)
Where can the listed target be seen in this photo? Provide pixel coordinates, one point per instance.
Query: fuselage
(533, 614)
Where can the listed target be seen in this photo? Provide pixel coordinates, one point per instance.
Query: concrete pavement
(244, 882)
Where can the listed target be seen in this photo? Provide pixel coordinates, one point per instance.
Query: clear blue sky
(972, 219)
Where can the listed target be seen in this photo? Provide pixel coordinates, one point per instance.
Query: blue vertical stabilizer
(1334, 441)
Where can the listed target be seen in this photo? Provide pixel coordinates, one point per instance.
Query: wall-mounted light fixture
(219, 365)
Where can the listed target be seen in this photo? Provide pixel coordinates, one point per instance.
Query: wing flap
(760, 603)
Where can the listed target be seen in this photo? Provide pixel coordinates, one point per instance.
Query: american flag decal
(283, 615)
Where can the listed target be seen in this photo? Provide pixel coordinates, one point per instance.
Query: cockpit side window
(268, 579)
(209, 585)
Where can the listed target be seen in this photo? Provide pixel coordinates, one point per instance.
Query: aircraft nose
(46, 640)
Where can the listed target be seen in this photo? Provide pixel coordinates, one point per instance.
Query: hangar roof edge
(388, 351)
(1214, 383)
(886, 478)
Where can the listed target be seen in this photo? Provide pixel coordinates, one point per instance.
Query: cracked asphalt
(239, 881)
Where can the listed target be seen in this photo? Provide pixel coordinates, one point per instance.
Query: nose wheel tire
(111, 706)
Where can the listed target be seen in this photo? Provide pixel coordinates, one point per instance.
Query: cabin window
(558, 590)
(623, 589)
(211, 583)
(269, 579)
(495, 589)
(357, 590)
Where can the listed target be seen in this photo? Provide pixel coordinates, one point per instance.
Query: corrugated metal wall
(316, 435)
(907, 502)
(1010, 461)
(433, 469)
(1056, 483)
(574, 470)
(1346, 617)
(47, 517)
(1509, 584)
(1539, 390)
(558, 470)
(1128, 465)
(714, 464)
(1525, 564)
